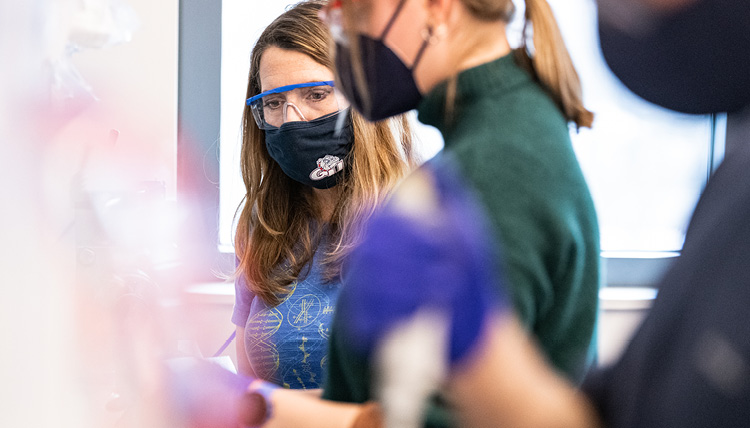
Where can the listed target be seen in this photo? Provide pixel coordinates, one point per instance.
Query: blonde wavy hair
(278, 229)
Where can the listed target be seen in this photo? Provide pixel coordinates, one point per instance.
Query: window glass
(645, 165)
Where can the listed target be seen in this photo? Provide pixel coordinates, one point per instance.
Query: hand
(207, 395)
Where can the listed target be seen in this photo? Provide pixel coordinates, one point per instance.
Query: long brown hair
(550, 64)
(277, 230)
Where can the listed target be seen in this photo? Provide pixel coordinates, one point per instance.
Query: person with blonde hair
(313, 170)
(504, 114)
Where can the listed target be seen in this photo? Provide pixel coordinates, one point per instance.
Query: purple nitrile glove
(429, 247)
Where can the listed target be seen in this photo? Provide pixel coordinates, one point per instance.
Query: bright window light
(645, 166)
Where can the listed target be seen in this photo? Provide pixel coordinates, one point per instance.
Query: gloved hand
(206, 395)
(429, 247)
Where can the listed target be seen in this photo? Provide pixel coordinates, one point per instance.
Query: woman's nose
(292, 113)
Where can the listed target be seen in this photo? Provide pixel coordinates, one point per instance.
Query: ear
(439, 11)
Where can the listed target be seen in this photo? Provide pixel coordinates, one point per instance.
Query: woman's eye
(272, 104)
(319, 95)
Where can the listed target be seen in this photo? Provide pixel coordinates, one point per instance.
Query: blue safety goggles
(299, 102)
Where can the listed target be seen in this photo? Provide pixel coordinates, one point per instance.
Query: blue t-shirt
(288, 344)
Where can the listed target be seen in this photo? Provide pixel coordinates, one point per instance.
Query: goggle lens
(301, 102)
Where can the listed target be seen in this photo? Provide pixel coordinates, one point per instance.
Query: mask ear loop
(428, 35)
(393, 19)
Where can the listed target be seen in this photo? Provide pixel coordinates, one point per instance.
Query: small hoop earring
(432, 35)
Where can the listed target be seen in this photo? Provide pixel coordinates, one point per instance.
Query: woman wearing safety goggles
(313, 171)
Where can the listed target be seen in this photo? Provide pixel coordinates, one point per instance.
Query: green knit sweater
(512, 144)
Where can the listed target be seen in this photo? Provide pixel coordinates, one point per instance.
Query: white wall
(136, 86)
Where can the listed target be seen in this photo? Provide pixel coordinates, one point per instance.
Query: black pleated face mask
(313, 153)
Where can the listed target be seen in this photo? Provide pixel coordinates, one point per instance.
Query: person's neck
(485, 42)
(325, 202)
(485, 50)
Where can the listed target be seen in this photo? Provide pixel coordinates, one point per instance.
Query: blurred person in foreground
(688, 365)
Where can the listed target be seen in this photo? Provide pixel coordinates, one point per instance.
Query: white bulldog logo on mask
(327, 166)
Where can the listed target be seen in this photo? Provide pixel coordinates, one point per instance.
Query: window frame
(645, 268)
(198, 119)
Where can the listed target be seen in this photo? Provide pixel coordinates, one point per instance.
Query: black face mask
(390, 83)
(312, 153)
